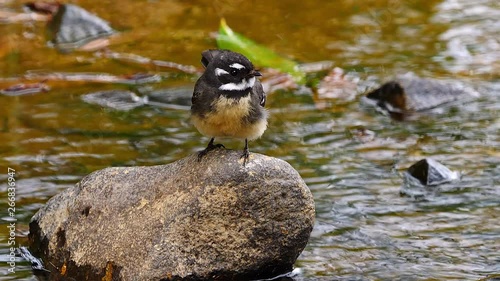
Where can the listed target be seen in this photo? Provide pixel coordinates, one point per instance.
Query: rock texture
(190, 220)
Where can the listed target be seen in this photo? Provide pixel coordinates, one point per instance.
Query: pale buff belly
(228, 121)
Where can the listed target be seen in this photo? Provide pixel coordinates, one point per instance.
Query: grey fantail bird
(228, 100)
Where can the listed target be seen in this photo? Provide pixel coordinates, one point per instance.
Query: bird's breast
(232, 108)
(229, 119)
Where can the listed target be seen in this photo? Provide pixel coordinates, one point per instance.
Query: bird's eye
(234, 72)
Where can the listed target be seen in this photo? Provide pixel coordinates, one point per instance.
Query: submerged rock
(209, 220)
(116, 99)
(431, 172)
(409, 93)
(75, 28)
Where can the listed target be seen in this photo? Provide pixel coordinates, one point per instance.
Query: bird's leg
(246, 153)
(211, 146)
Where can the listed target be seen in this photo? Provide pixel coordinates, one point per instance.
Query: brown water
(370, 226)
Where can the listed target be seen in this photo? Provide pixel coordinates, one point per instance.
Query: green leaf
(258, 54)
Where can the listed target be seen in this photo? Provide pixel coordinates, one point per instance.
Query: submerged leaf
(335, 88)
(258, 54)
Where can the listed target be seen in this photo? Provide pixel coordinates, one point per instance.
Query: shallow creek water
(369, 225)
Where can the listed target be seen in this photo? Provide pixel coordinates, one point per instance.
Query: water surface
(369, 225)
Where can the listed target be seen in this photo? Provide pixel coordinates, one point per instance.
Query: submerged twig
(12, 17)
(144, 60)
(138, 78)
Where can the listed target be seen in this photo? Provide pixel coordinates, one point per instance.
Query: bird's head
(229, 71)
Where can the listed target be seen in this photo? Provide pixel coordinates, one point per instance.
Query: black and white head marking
(231, 71)
(237, 66)
(245, 84)
(220, 72)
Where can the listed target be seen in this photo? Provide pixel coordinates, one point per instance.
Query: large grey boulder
(210, 220)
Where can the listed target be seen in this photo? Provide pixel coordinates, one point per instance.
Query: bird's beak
(254, 73)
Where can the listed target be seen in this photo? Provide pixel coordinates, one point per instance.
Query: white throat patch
(243, 85)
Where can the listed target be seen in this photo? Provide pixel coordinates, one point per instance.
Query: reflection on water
(369, 225)
(472, 41)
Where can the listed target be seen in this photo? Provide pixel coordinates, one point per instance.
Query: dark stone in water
(213, 219)
(72, 27)
(409, 93)
(431, 172)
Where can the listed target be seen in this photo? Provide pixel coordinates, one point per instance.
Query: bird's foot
(211, 146)
(245, 156)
